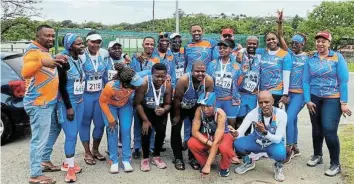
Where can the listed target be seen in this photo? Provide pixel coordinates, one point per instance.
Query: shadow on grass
(346, 137)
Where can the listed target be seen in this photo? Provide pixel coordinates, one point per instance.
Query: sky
(118, 11)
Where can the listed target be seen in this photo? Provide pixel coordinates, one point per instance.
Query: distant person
(42, 83)
(325, 85)
(198, 48)
(153, 102)
(268, 130)
(211, 135)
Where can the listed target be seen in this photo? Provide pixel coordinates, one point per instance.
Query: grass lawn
(351, 67)
(346, 137)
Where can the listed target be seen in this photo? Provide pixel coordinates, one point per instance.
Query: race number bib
(79, 87)
(223, 82)
(94, 85)
(251, 81)
(179, 72)
(111, 74)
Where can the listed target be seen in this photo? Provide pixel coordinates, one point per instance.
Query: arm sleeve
(343, 78)
(306, 82)
(280, 133)
(246, 123)
(31, 64)
(62, 85)
(287, 66)
(105, 97)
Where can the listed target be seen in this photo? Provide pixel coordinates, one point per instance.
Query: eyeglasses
(227, 36)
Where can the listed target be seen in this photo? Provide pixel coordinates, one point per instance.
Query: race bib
(251, 81)
(179, 72)
(111, 74)
(94, 85)
(79, 87)
(223, 82)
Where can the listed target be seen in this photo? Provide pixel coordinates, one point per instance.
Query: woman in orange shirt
(116, 101)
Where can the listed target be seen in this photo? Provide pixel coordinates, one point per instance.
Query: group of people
(232, 101)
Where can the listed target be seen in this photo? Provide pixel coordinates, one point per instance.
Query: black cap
(227, 43)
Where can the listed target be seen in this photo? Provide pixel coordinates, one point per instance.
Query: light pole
(177, 17)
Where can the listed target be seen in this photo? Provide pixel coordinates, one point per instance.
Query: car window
(15, 63)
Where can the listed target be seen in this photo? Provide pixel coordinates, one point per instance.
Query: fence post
(56, 40)
(12, 47)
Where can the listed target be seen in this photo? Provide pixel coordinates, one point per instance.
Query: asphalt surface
(15, 163)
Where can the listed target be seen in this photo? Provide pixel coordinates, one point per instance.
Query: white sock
(70, 161)
(65, 161)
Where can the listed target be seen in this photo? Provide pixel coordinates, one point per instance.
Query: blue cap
(298, 38)
(207, 99)
(137, 80)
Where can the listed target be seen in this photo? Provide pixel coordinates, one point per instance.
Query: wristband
(206, 143)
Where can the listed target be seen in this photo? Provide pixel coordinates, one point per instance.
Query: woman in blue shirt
(325, 85)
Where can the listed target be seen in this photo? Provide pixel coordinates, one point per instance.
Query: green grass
(347, 152)
(351, 66)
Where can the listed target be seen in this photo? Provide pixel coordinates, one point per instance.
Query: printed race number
(94, 85)
(223, 82)
(79, 87)
(179, 72)
(111, 74)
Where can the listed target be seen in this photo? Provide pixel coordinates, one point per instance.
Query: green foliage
(337, 17)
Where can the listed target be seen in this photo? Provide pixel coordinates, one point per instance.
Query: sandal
(235, 160)
(99, 157)
(90, 161)
(194, 164)
(50, 168)
(45, 180)
(179, 165)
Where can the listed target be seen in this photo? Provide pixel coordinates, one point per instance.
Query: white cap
(173, 35)
(94, 37)
(112, 43)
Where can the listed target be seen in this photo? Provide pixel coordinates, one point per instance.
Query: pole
(153, 15)
(177, 17)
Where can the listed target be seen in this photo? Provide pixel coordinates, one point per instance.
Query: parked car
(13, 115)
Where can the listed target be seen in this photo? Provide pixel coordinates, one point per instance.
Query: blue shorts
(226, 105)
(248, 103)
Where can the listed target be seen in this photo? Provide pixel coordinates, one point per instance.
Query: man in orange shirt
(39, 71)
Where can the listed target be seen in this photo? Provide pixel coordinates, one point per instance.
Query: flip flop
(53, 168)
(99, 157)
(44, 181)
(89, 161)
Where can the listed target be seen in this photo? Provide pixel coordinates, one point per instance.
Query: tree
(12, 9)
(223, 15)
(336, 17)
(296, 21)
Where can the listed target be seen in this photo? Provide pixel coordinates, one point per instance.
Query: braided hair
(124, 74)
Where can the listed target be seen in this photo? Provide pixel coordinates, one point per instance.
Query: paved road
(14, 164)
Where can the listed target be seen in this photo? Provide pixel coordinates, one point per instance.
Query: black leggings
(159, 125)
(176, 139)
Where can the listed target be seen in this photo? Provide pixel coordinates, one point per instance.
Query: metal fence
(132, 41)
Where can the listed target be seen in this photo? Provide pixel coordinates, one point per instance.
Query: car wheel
(5, 128)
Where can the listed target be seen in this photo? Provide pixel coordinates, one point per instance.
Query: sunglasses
(227, 36)
(163, 35)
(177, 41)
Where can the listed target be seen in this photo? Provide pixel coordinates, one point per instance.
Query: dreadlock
(124, 74)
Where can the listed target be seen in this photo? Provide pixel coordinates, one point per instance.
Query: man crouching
(210, 135)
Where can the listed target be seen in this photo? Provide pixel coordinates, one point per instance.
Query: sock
(70, 161)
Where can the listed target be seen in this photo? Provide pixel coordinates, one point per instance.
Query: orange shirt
(41, 82)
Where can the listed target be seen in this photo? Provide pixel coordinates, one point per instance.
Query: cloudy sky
(118, 11)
